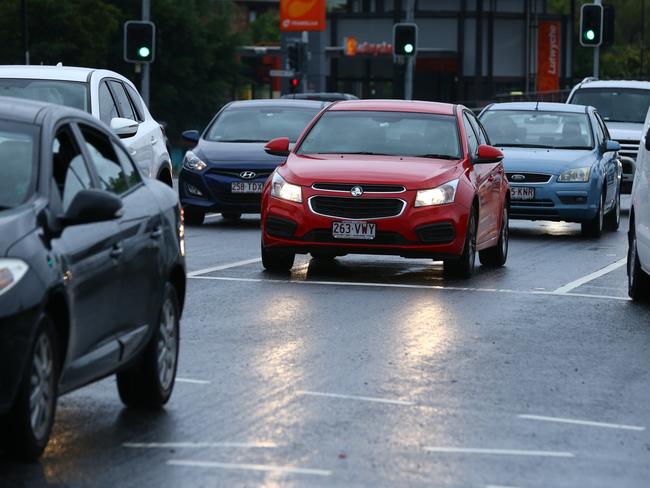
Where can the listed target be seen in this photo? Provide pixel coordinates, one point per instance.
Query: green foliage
(266, 29)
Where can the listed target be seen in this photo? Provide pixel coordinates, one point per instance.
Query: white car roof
(63, 73)
(641, 85)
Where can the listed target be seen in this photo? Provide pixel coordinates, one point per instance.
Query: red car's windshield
(384, 133)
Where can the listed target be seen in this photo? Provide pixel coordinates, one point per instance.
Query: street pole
(597, 49)
(144, 87)
(23, 11)
(304, 62)
(408, 77)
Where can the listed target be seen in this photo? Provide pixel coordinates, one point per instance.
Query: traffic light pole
(408, 76)
(597, 51)
(144, 87)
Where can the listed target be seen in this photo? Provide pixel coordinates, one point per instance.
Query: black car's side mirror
(191, 135)
(92, 206)
(647, 140)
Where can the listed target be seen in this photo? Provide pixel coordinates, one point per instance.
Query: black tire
(594, 227)
(277, 260)
(497, 255)
(23, 438)
(149, 382)
(638, 282)
(463, 267)
(613, 217)
(193, 216)
(231, 216)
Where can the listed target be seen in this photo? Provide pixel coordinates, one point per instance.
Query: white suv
(638, 255)
(623, 105)
(106, 95)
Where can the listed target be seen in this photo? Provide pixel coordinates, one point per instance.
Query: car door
(497, 177)
(609, 162)
(641, 199)
(483, 183)
(90, 263)
(140, 231)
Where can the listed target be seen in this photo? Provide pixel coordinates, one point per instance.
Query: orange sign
(350, 48)
(548, 56)
(302, 15)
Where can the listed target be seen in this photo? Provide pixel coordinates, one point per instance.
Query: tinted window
(260, 124)
(536, 128)
(390, 133)
(107, 108)
(136, 101)
(122, 100)
(103, 158)
(68, 93)
(130, 173)
(478, 130)
(472, 140)
(17, 163)
(68, 167)
(614, 104)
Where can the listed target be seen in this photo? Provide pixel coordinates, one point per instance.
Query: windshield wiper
(523, 145)
(436, 156)
(369, 153)
(570, 147)
(242, 140)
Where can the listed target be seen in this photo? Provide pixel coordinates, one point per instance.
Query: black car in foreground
(226, 170)
(92, 270)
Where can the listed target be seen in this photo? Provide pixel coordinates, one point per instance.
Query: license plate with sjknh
(246, 187)
(352, 229)
(522, 193)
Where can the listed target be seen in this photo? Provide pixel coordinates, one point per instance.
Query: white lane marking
(236, 264)
(198, 445)
(354, 397)
(503, 452)
(190, 380)
(416, 287)
(590, 277)
(581, 422)
(250, 467)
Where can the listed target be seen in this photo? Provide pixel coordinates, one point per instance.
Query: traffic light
(294, 85)
(405, 39)
(591, 25)
(139, 41)
(294, 54)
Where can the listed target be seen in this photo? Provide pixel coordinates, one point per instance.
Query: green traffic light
(144, 52)
(590, 35)
(408, 48)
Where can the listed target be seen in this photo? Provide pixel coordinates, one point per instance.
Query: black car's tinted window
(130, 173)
(103, 158)
(260, 124)
(68, 167)
(17, 163)
(122, 100)
(107, 107)
(69, 93)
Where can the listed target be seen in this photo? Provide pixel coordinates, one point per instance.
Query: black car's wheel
(463, 266)
(497, 255)
(231, 216)
(277, 260)
(594, 227)
(613, 217)
(193, 216)
(638, 282)
(149, 382)
(29, 422)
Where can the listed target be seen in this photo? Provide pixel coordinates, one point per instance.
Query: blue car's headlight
(575, 175)
(192, 162)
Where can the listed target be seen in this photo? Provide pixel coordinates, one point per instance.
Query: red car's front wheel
(277, 260)
(463, 266)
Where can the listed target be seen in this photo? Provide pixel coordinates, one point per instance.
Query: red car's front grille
(356, 208)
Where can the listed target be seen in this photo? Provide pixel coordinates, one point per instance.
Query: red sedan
(413, 179)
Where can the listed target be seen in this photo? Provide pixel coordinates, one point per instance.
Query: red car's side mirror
(488, 154)
(278, 147)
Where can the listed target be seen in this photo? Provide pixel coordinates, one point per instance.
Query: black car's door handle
(156, 232)
(117, 251)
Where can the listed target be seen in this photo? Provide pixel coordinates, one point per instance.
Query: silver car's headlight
(575, 175)
(286, 191)
(11, 272)
(192, 162)
(437, 196)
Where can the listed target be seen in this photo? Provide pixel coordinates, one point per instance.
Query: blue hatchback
(560, 162)
(226, 170)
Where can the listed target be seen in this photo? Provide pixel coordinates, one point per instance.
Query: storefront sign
(352, 48)
(302, 15)
(548, 56)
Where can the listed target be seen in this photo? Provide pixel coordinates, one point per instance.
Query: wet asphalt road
(377, 371)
